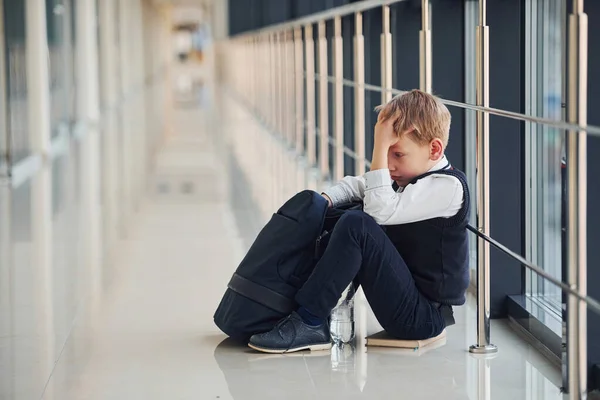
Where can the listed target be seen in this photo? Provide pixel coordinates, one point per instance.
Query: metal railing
(287, 102)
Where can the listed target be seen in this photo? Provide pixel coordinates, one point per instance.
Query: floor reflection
(390, 373)
(302, 375)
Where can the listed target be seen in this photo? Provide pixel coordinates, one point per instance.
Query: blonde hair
(418, 114)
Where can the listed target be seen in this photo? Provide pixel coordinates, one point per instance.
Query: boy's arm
(431, 197)
(350, 188)
(353, 187)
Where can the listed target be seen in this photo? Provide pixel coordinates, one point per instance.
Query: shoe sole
(313, 347)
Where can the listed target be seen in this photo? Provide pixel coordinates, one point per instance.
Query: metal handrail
(340, 11)
(353, 8)
(591, 130)
(592, 303)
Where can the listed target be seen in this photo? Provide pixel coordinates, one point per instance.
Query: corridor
(145, 143)
(149, 333)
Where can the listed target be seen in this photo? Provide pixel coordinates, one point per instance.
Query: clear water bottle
(342, 317)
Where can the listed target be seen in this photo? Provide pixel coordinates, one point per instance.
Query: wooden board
(382, 339)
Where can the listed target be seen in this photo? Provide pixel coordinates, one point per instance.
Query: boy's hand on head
(385, 137)
(384, 132)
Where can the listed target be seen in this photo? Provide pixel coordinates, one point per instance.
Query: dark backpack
(282, 257)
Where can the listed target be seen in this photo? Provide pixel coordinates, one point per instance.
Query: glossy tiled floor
(148, 334)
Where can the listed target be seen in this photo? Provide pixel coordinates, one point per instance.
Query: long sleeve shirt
(432, 196)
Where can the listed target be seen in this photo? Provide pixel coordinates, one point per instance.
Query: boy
(408, 249)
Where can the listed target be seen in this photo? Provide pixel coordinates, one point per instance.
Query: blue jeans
(359, 251)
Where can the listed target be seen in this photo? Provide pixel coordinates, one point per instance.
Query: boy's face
(408, 159)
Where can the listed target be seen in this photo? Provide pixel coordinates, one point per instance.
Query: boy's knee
(355, 218)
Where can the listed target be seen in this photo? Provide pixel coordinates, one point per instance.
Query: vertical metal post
(483, 345)
(253, 83)
(338, 98)
(244, 89)
(249, 69)
(310, 94)
(279, 71)
(272, 77)
(386, 56)
(290, 98)
(425, 47)
(257, 71)
(290, 168)
(299, 89)
(576, 332)
(279, 75)
(359, 94)
(254, 75)
(262, 98)
(323, 103)
(273, 123)
(264, 83)
(265, 73)
(288, 76)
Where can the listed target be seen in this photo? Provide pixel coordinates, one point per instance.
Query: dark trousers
(359, 251)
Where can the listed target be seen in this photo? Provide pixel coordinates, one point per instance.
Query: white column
(220, 19)
(41, 196)
(127, 124)
(110, 129)
(88, 112)
(37, 76)
(140, 99)
(6, 257)
(167, 59)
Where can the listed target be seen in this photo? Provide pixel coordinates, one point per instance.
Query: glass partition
(61, 59)
(545, 32)
(16, 79)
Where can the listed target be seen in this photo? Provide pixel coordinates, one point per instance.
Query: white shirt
(431, 197)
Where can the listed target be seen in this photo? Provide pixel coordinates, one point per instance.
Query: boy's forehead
(403, 142)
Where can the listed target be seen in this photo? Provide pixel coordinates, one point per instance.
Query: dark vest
(436, 250)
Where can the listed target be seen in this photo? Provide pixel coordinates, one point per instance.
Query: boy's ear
(436, 149)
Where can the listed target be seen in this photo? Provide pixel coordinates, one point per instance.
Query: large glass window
(3, 113)
(59, 15)
(544, 146)
(16, 78)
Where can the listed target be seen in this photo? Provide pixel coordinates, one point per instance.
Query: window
(15, 57)
(3, 107)
(545, 32)
(59, 26)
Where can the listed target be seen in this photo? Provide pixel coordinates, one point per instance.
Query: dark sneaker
(292, 334)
